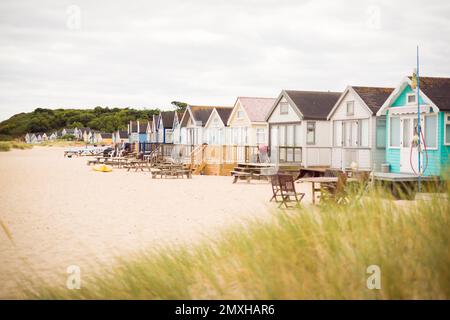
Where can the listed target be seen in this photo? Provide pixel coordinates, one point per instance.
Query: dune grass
(8, 145)
(308, 253)
(61, 143)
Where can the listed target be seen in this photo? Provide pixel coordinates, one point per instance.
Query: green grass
(8, 145)
(309, 253)
(5, 146)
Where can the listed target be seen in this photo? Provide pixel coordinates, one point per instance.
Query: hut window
(310, 133)
(240, 114)
(350, 108)
(431, 131)
(411, 98)
(447, 128)
(364, 132)
(381, 133)
(284, 108)
(260, 136)
(395, 132)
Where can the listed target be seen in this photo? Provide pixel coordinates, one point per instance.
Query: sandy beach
(60, 212)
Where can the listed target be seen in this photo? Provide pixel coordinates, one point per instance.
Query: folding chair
(287, 190)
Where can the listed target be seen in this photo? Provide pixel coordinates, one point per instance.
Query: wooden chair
(276, 192)
(287, 190)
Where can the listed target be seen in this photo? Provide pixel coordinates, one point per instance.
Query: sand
(60, 212)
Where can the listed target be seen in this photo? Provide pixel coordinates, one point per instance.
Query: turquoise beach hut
(400, 110)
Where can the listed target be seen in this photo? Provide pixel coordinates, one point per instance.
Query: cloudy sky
(57, 53)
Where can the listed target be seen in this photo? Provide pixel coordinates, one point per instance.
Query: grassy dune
(8, 145)
(308, 253)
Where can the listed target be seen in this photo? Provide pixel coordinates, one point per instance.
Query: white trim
(291, 103)
(397, 92)
(389, 132)
(235, 107)
(446, 122)
(437, 131)
(411, 95)
(346, 91)
(211, 116)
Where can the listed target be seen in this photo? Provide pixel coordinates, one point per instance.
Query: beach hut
(165, 127)
(137, 131)
(30, 138)
(216, 126)
(193, 123)
(53, 136)
(299, 132)
(247, 121)
(103, 138)
(177, 127)
(401, 113)
(358, 135)
(120, 136)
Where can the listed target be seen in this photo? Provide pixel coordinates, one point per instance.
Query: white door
(408, 149)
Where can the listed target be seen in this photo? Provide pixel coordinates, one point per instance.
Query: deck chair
(287, 190)
(276, 192)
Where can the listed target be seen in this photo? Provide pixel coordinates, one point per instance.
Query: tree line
(100, 118)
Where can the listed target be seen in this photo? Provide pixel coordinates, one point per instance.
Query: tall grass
(309, 253)
(8, 145)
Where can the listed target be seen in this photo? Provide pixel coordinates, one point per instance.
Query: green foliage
(69, 137)
(47, 120)
(179, 106)
(311, 253)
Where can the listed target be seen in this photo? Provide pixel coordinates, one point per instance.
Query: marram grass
(8, 145)
(309, 253)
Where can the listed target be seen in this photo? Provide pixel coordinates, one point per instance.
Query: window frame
(260, 132)
(352, 103)
(436, 130)
(411, 95)
(314, 137)
(377, 125)
(389, 133)
(446, 123)
(284, 104)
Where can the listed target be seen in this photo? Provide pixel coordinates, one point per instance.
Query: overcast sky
(57, 53)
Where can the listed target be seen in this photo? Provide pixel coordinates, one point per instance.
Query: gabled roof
(438, 90)
(433, 90)
(372, 97)
(310, 105)
(224, 113)
(256, 108)
(167, 119)
(199, 114)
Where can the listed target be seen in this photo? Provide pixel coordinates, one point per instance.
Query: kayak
(102, 168)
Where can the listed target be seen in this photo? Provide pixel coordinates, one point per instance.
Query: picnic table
(317, 181)
(137, 165)
(172, 170)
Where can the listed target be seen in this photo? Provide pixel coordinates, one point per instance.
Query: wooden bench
(243, 175)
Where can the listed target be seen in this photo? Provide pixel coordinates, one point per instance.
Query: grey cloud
(148, 53)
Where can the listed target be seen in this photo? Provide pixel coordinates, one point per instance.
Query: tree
(179, 106)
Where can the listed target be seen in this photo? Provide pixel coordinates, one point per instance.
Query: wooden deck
(401, 177)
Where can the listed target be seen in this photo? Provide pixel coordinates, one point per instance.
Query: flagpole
(418, 120)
